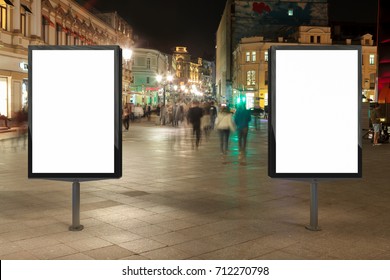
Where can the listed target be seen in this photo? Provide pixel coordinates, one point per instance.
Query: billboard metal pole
(76, 207)
(313, 207)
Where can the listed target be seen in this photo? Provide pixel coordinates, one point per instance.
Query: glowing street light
(164, 81)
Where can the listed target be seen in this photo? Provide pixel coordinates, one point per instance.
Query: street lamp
(127, 54)
(164, 81)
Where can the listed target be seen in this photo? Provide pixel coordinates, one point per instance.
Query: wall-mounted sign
(314, 120)
(75, 112)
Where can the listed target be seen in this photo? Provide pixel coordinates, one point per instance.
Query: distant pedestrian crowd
(201, 118)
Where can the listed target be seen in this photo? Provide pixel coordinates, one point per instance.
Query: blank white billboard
(314, 125)
(74, 112)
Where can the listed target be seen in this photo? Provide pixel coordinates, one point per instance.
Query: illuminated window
(251, 78)
(3, 15)
(253, 56)
(372, 59)
(248, 56)
(290, 12)
(266, 55)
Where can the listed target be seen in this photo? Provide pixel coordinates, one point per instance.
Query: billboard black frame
(117, 90)
(272, 115)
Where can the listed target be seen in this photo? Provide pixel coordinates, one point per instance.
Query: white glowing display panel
(314, 125)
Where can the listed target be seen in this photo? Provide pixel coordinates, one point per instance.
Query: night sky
(163, 24)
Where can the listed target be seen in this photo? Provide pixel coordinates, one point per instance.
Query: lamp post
(164, 81)
(127, 55)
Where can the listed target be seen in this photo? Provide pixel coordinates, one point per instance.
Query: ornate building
(49, 22)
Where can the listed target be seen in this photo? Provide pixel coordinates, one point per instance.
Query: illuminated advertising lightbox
(75, 112)
(314, 120)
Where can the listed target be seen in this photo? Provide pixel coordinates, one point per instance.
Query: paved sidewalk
(174, 202)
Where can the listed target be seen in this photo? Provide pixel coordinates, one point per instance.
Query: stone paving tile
(166, 253)
(142, 245)
(112, 252)
(52, 252)
(88, 244)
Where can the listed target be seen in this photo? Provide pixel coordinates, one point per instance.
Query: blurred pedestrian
(224, 124)
(242, 117)
(126, 116)
(148, 112)
(205, 123)
(213, 114)
(376, 125)
(195, 114)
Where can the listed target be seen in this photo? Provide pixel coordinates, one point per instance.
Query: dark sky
(163, 24)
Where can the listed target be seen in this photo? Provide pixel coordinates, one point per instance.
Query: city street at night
(176, 202)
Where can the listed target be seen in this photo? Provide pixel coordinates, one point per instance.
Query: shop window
(3, 96)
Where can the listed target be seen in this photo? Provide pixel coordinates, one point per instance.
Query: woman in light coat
(224, 124)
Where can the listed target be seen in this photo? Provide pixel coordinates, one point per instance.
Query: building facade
(250, 64)
(271, 19)
(47, 22)
(146, 65)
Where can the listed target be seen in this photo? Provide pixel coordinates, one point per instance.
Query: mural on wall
(276, 18)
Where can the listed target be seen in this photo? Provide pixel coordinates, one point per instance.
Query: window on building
(266, 56)
(253, 56)
(58, 34)
(248, 56)
(372, 80)
(68, 38)
(367, 41)
(362, 59)
(290, 12)
(45, 30)
(148, 63)
(266, 78)
(372, 59)
(251, 78)
(318, 39)
(311, 39)
(23, 25)
(3, 15)
(147, 80)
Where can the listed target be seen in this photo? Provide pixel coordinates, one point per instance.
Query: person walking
(195, 114)
(374, 116)
(242, 117)
(213, 114)
(126, 116)
(224, 124)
